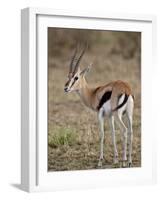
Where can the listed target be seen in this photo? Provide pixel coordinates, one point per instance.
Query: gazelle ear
(86, 70)
(79, 71)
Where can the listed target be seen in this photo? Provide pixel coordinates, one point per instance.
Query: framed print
(86, 104)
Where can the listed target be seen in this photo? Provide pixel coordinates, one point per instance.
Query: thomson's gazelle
(113, 100)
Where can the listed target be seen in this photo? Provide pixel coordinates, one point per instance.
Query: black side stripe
(123, 103)
(105, 97)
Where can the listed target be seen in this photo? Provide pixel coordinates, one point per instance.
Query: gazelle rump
(112, 100)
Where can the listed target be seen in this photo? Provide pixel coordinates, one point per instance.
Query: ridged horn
(72, 60)
(79, 59)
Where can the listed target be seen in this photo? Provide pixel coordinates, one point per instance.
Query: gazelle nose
(65, 89)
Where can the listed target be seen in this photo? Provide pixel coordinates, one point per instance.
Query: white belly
(107, 106)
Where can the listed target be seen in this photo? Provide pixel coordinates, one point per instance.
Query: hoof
(129, 164)
(123, 163)
(100, 163)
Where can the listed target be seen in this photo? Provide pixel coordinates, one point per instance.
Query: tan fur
(95, 98)
(92, 96)
(85, 92)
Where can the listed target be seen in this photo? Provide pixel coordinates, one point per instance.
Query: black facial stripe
(67, 83)
(105, 97)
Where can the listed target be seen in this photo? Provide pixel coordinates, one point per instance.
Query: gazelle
(112, 100)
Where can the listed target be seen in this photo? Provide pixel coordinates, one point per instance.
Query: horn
(79, 59)
(72, 60)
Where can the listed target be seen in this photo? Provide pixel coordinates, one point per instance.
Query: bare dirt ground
(73, 138)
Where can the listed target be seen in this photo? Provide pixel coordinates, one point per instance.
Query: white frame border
(29, 171)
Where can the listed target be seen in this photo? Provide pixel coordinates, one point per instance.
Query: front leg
(101, 132)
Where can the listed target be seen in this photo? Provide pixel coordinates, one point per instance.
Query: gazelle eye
(76, 78)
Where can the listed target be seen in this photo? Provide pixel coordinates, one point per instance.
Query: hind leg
(101, 132)
(130, 140)
(118, 118)
(129, 113)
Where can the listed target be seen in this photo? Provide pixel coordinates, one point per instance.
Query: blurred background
(73, 138)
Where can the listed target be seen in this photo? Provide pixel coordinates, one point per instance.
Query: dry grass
(73, 139)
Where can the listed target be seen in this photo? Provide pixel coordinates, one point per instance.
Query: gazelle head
(75, 76)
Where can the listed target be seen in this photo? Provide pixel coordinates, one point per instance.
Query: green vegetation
(73, 138)
(61, 136)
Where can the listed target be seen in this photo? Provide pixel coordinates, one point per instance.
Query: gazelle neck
(85, 92)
